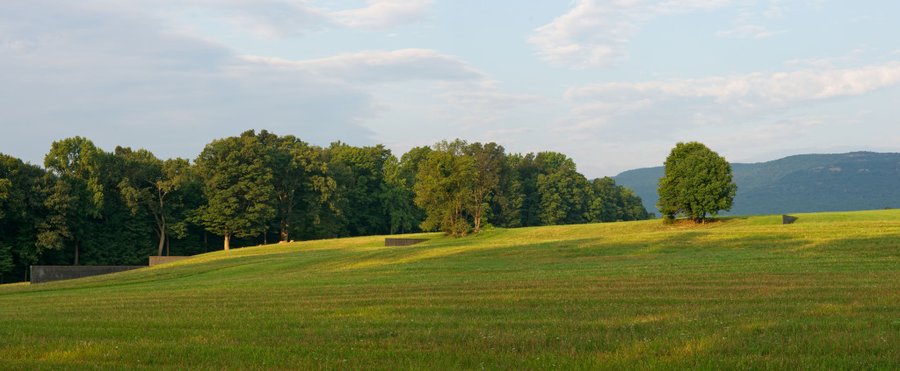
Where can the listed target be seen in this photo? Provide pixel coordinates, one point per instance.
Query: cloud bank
(594, 33)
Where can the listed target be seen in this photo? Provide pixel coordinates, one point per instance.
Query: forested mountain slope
(802, 183)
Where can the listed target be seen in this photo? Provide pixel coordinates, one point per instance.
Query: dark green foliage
(397, 199)
(697, 183)
(152, 187)
(237, 183)
(96, 207)
(462, 186)
(21, 209)
(444, 188)
(508, 201)
(405, 215)
(613, 202)
(489, 163)
(6, 261)
(564, 193)
(301, 182)
(4, 192)
(77, 196)
(527, 172)
(357, 207)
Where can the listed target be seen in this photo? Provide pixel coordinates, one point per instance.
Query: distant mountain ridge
(801, 183)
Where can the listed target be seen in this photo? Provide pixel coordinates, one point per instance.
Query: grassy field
(823, 293)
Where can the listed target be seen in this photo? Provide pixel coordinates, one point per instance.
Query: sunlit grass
(822, 293)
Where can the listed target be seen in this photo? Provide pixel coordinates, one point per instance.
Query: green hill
(803, 183)
(823, 293)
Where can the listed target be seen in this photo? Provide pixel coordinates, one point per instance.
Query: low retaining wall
(47, 273)
(157, 260)
(402, 241)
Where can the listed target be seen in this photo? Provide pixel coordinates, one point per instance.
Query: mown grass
(823, 293)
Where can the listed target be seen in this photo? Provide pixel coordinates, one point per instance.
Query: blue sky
(613, 84)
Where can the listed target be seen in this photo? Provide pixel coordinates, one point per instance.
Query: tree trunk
(227, 241)
(478, 218)
(161, 220)
(284, 231)
(162, 239)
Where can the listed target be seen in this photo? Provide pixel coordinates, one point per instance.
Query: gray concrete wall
(402, 241)
(157, 260)
(47, 273)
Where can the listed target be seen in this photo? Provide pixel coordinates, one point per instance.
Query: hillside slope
(803, 183)
(823, 293)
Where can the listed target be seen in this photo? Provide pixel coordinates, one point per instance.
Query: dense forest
(88, 206)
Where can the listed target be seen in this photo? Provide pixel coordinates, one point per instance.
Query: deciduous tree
(444, 186)
(237, 183)
(488, 161)
(300, 179)
(697, 182)
(152, 185)
(76, 196)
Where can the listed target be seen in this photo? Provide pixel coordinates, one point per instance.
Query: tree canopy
(238, 187)
(697, 182)
(89, 206)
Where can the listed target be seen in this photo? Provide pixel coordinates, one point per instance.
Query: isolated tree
(697, 182)
(238, 187)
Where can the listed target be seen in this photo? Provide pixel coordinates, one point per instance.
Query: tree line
(89, 206)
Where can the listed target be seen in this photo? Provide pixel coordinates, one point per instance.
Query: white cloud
(589, 35)
(119, 77)
(380, 66)
(456, 92)
(278, 18)
(594, 33)
(746, 115)
(381, 14)
(756, 90)
(751, 21)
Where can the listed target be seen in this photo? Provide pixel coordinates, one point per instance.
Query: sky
(612, 84)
